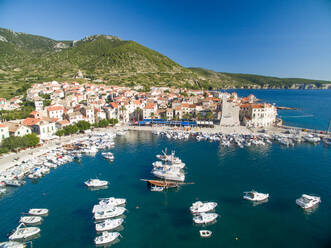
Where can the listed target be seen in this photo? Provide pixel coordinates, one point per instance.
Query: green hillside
(27, 59)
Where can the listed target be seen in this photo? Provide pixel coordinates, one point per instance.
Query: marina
(221, 173)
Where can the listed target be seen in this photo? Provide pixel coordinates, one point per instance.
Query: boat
(96, 183)
(327, 141)
(255, 196)
(31, 220)
(12, 244)
(308, 201)
(110, 213)
(108, 224)
(106, 238)
(202, 207)
(157, 188)
(38, 211)
(169, 174)
(108, 155)
(14, 183)
(22, 233)
(3, 191)
(91, 151)
(112, 201)
(205, 218)
(205, 233)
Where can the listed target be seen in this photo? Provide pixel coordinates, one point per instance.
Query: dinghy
(205, 233)
(95, 183)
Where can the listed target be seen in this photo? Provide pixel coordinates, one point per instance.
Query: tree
(59, 133)
(209, 116)
(30, 140)
(122, 109)
(113, 121)
(103, 123)
(70, 129)
(138, 113)
(83, 125)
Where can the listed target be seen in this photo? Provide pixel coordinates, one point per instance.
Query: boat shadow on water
(97, 188)
(207, 224)
(117, 229)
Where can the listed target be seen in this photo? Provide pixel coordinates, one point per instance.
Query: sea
(221, 174)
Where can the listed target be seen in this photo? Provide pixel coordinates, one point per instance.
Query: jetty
(286, 108)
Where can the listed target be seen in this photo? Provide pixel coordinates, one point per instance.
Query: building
(17, 129)
(258, 115)
(149, 110)
(4, 132)
(88, 113)
(55, 112)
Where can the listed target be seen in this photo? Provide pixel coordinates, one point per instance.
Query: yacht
(112, 201)
(38, 211)
(106, 238)
(12, 244)
(205, 218)
(96, 183)
(308, 201)
(168, 164)
(22, 233)
(157, 188)
(327, 141)
(312, 139)
(31, 220)
(108, 214)
(201, 207)
(108, 225)
(169, 174)
(255, 196)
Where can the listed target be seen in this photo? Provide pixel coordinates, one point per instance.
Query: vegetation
(27, 59)
(13, 143)
(26, 108)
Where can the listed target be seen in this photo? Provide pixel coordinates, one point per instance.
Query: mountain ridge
(27, 59)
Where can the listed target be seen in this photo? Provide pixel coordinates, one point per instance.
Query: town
(58, 105)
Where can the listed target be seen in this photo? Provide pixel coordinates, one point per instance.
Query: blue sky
(279, 38)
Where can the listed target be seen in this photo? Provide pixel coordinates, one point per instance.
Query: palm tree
(138, 113)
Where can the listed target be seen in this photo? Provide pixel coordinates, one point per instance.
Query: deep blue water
(314, 106)
(162, 219)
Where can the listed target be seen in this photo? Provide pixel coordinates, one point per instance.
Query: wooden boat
(163, 183)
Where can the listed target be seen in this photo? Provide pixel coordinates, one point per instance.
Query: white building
(258, 115)
(4, 132)
(55, 112)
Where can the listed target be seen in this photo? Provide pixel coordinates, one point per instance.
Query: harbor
(219, 175)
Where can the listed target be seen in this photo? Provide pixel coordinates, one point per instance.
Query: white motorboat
(22, 233)
(202, 207)
(157, 188)
(108, 155)
(96, 183)
(38, 211)
(31, 220)
(169, 174)
(110, 213)
(205, 233)
(12, 244)
(112, 201)
(108, 224)
(308, 201)
(106, 238)
(205, 218)
(255, 196)
(92, 151)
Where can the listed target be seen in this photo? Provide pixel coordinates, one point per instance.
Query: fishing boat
(255, 196)
(205, 233)
(112, 201)
(96, 183)
(12, 244)
(202, 207)
(31, 220)
(108, 224)
(106, 238)
(161, 183)
(110, 213)
(308, 201)
(205, 218)
(22, 232)
(38, 211)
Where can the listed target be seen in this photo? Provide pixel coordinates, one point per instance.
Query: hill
(27, 59)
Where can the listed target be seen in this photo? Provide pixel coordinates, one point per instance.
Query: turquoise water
(314, 106)
(162, 219)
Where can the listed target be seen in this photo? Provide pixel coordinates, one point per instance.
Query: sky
(271, 37)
